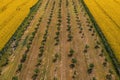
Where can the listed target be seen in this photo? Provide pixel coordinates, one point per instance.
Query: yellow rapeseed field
(107, 15)
(12, 13)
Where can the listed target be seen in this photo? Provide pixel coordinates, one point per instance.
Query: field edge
(103, 39)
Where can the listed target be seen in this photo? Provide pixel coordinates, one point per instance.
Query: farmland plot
(12, 13)
(60, 43)
(107, 15)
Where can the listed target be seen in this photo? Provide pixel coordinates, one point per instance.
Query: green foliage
(6, 62)
(19, 67)
(25, 41)
(36, 70)
(74, 60)
(56, 56)
(15, 78)
(91, 65)
(55, 78)
(71, 52)
(86, 46)
(90, 68)
(24, 57)
(72, 65)
(108, 77)
(94, 78)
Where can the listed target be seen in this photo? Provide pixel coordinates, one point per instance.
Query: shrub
(86, 46)
(91, 66)
(74, 75)
(104, 64)
(70, 37)
(56, 56)
(24, 57)
(36, 70)
(19, 67)
(38, 62)
(94, 78)
(15, 78)
(89, 70)
(72, 65)
(96, 47)
(108, 77)
(6, 62)
(85, 51)
(34, 76)
(55, 78)
(74, 60)
(71, 52)
(110, 71)
(0, 71)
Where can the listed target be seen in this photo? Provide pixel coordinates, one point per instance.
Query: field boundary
(22, 27)
(104, 40)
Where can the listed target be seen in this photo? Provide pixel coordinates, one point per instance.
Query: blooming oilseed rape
(107, 15)
(12, 13)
